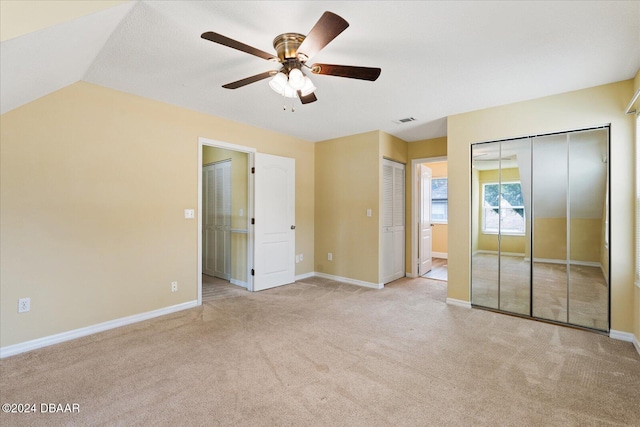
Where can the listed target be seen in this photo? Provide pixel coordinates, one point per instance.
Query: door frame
(415, 209)
(206, 142)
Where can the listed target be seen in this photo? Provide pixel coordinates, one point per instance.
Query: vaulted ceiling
(437, 58)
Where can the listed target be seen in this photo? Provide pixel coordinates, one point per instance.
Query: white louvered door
(216, 229)
(393, 240)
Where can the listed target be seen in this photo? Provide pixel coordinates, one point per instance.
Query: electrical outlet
(330, 256)
(24, 305)
(174, 286)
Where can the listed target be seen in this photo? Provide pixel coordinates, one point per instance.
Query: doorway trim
(206, 142)
(415, 209)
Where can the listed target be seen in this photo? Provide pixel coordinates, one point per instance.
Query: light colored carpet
(322, 353)
(214, 288)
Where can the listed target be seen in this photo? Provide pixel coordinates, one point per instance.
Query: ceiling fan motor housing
(286, 45)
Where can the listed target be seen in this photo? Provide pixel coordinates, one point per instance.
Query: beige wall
(573, 110)
(426, 148)
(239, 201)
(347, 176)
(93, 184)
(348, 182)
(392, 148)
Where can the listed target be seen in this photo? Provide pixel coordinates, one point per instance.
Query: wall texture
(93, 187)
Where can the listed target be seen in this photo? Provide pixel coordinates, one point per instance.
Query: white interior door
(274, 261)
(216, 227)
(424, 226)
(392, 221)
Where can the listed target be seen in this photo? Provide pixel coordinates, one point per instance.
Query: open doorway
(429, 231)
(225, 207)
(262, 223)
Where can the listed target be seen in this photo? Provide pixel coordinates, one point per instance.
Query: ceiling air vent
(405, 120)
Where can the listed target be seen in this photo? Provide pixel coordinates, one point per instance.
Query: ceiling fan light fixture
(289, 91)
(296, 79)
(278, 83)
(308, 87)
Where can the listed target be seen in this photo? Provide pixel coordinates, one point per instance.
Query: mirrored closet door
(540, 227)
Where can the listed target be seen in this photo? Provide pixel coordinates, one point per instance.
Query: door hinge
(253, 272)
(253, 170)
(253, 221)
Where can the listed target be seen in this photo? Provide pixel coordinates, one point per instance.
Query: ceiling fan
(293, 50)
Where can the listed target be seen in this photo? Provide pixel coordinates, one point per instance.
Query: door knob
(293, 227)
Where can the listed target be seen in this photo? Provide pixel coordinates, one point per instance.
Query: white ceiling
(437, 58)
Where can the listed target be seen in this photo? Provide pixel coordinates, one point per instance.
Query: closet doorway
(540, 227)
(225, 243)
(393, 262)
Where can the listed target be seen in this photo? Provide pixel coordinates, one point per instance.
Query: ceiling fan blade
(226, 41)
(307, 99)
(326, 29)
(249, 80)
(361, 73)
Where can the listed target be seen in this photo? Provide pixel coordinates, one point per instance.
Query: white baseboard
(305, 276)
(459, 302)
(625, 336)
(14, 349)
(443, 255)
(350, 281)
